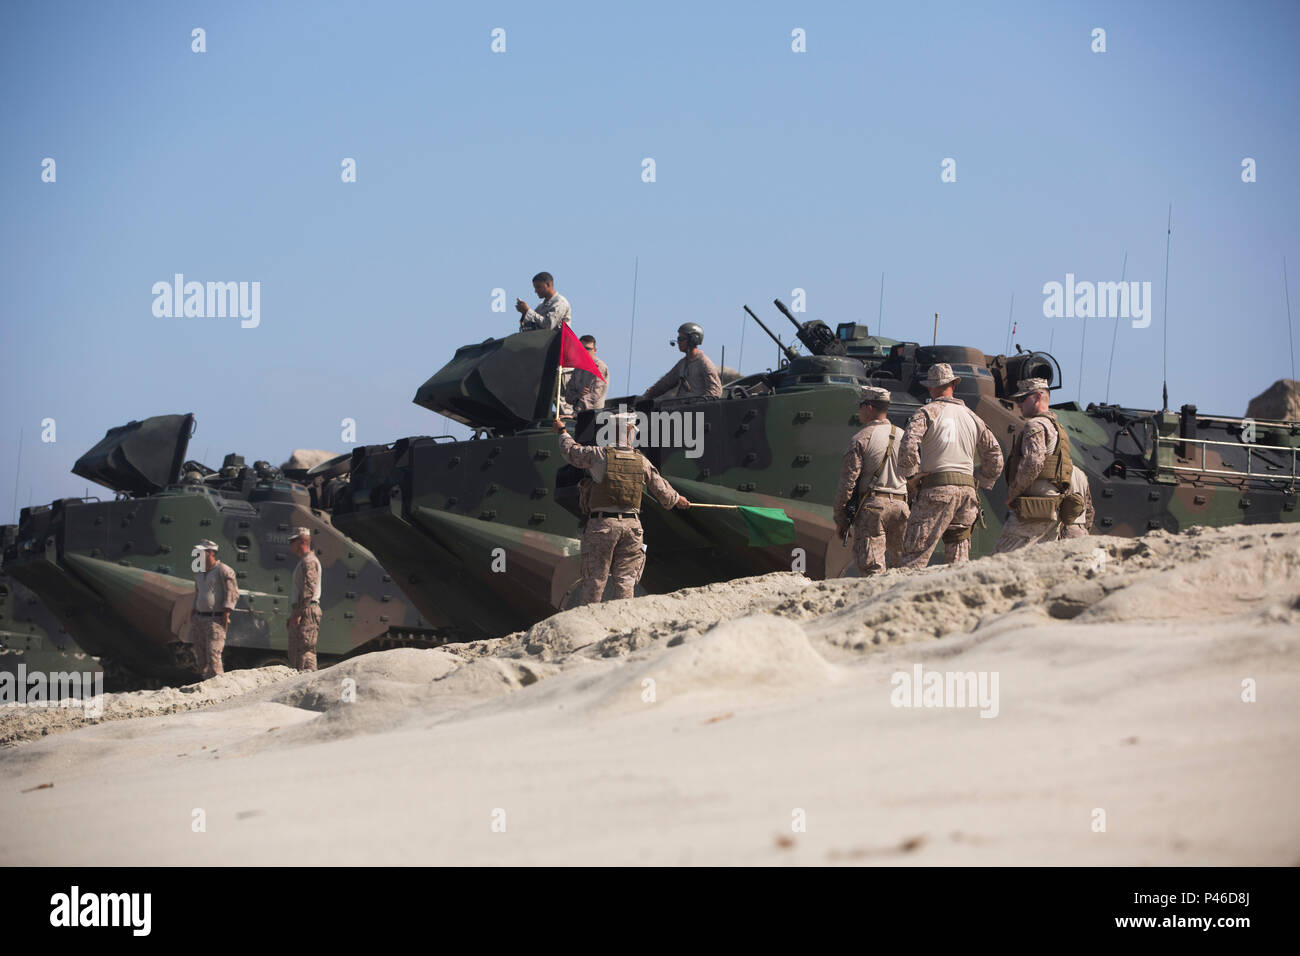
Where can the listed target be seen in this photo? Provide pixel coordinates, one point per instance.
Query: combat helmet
(694, 334)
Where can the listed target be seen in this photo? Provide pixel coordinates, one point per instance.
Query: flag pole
(559, 369)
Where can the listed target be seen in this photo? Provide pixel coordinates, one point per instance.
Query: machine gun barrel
(789, 352)
(786, 312)
(816, 335)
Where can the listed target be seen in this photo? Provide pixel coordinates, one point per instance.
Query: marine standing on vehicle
(304, 619)
(552, 311)
(940, 445)
(611, 544)
(583, 390)
(869, 475)
(695, 376)
(215, 595)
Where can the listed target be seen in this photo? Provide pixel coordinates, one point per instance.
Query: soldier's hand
(557, 426)
(225, 619)
(682, 502)
(521, 306)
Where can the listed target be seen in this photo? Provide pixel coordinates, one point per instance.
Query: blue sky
(775, 170)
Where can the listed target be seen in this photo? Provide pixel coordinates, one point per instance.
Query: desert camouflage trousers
(944, 508)
(611, 547)
(208, 638)
(1018, 534)
(1074, 531)
(303, 627)
(878, 530)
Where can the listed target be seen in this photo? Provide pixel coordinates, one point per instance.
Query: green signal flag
(767, 526)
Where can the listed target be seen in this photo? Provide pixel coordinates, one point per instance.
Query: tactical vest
(620, 489)
(1057, 468)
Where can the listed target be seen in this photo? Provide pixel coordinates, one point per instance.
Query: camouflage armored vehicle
(30, 634)
(118, 574)
(486, 531)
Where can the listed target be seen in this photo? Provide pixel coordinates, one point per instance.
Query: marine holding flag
(612, 543)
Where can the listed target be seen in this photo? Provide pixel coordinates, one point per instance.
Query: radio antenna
(1123, 271)
(880, 317)
(1164, 318)
(18, 472)
(1010, 311)
(1289, 330)
(636, 268)
(740, 362)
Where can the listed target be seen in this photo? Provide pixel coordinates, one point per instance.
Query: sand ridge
(1097, 642)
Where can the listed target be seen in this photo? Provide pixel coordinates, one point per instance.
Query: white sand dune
(745, 723)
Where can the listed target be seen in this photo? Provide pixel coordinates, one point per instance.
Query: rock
(1280, 402)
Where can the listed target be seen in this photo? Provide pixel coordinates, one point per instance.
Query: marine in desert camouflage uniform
(552, 311)
(583, 390)
(611, 545)
(869, 474)
(215, 595)
(940, 445)
(695, 376)
(304, 619)
(1038, 467)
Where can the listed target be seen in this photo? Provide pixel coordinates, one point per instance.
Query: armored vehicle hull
(30, 633)
(487, 531)
(118, 574)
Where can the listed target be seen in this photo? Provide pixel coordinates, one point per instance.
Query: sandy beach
(1140, 705)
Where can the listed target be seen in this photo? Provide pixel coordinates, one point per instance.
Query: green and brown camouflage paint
(117, 575)
(30, 633)
(440, 513)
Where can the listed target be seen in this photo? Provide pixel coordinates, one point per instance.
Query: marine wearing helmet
(695, 376)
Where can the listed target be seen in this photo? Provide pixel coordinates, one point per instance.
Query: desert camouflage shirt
(857, 464)
(548, 314)
(584, 390)
(1039, 442)
(690, 377)
(987, 448)
(215, 589)
(306, 580)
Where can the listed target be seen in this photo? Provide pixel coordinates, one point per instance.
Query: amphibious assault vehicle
(485, 532)
(30, 634)
(117, 574)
